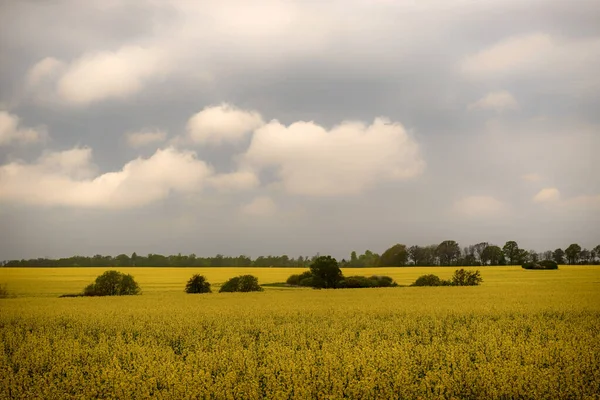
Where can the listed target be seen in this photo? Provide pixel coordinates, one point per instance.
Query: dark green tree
(197, 284)
(463, 277)
(395, 256)
(558, 256)
(573, 252)
(112, 283)
(448, 251)
(492, 255)
(512, 252)
(326, 272)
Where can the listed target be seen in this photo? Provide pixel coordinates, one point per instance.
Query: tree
(133, 259)
(492, 255)
(512, 252)
(395, 256)
(558, 256)
(448, 251)
(197, 284)
(479, 249)
(112, 283)
(326, 272)
(596, 252)
(462, 277)
(573, 252)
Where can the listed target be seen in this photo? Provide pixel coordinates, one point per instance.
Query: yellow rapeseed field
(521, 334)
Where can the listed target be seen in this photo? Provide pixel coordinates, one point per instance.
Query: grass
(521, 334)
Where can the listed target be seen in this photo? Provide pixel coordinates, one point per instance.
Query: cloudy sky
(296, 127)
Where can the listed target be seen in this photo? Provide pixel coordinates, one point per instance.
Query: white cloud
(110, 74)
(480, 207)
(56, 180)
(44, 69)
(12, 132)
(314, 161)
(565, 65)
(260, 206)
(223, 123)
(547, 195)
(241, 180)
(144, 138)
(532, 177)
(514, 53)
(498, 101)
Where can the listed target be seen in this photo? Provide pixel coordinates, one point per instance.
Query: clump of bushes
(325, 273)
(112, 283)
(242, 283)
(355, 282)
(197, 284)
(461, 277)
(304, 279)
(431, 280)
(545, 264)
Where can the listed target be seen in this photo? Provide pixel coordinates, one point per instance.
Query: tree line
(446, 253)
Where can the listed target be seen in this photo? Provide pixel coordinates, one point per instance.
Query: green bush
(355, 282)
(545, 264)
(242, 283)
(383, 281)
(430, 280)
(112, 283)
(463, 277)
(197, 284)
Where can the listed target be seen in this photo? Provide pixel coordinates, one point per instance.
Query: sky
(296, 127)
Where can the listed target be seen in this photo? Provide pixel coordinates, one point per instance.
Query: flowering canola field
(521, 334)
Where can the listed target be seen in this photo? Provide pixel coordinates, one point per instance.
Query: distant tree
(547, 255)
(133, 259)
(558, 256)
(597, 252)
(463, 277)
(479, 250)
(492, 255)
(585, 256)
(112, 283)
(353, 259)
(533, 256)
(573, 252)
(395, 256)
(448, 251)
(326, 272)
(512, 252)
(197, 284)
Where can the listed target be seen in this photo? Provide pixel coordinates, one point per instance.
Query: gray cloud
(116, 68)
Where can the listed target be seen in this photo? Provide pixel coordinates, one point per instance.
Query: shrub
(355, 282)
(546, 264)
(293, 280)
(242, 283)
(462, 277)
(383, 281)
(430, 280)
(112, 283)
(197, 284)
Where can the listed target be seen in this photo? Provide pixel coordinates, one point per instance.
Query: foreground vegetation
(521, 334)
